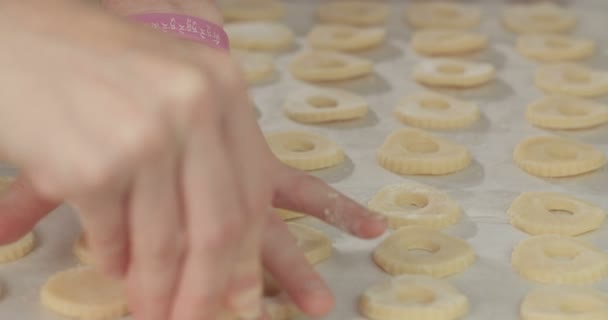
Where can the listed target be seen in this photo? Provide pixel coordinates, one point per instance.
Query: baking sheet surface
(484, 190)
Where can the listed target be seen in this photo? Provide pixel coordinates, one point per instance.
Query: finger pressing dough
(443, 15)
(258, 67)
(563, 112)
(259, 35)
(556, 259)
(447, 42)
(544, 17)
(305, 151)
(329, 66)
(318, 105)
(352, 12)
(314, 244)
(554, 213)
(565, 303)
(554, 48)
(345, 38)
(413, 297)
(289, 215)
(18, 249)
(280, 307)
(84, 293)
(408, 151)
(572, 79)
(430, 110)
(554, 157)
(252, 10)
(82, 251)
(419, 250)
(454, 73)
(408, 204)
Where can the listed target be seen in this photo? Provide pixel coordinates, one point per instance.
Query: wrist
(204, 9)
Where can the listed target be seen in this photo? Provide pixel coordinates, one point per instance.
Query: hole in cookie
(322, 102)
(581, 304)
(561, 207)
(412, 201)
(434, 104)
(451, 68)
(577, 76)
(561, 253)
(572, 111)
(298, 145)
(415, 295)
(329, 63)
(420, 145)
(422, 248)
(557, 43)
(560, 212)
(561, 153)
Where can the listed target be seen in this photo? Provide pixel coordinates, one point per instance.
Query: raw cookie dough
(82, 252)
(555, 213)
(18, 249)
(252, 10)
(305, 151)
(258, 67)
(430, 110)
(289, 215)
(259, 35)
(565, 303)
(84, 293)
(280, 307)
(329, 66)
(555, 259)
(314, 244)
(447, 42)
(415, 152)
(345, 38)
(543, 17)
(413, 297)
(353, 12)
(443, 15)
(555, 157)
(554, 48)
(411, 203)
(444, 72)
(319, 105)
(419, 250)
(572, 79)
(564, 112)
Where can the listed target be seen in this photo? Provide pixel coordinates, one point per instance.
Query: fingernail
(248, 305)
(377, 216)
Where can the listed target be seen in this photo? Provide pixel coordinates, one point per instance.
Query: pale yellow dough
(554, 48)
(572, 79)
(430, 110)
(259, 35)
(354, 12)
(345, 38)
(289, 215)
(443, 15)
(413, 297)
(554, 157)
(84, 293)
(313, 243)
(543, 17)
(444, 72)
(565, 303)
(447, 42)
(319, 66)
(252, 10)
(564, 112)
(555, 259)
(305, 151)
(18, 249)
(280, 307)
(415, 204)
(258, 67)
(420, 250)
(319, 105)
(415, 152)
(555, 213)
(82, 251)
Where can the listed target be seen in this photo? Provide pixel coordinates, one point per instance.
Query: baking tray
(485, 190)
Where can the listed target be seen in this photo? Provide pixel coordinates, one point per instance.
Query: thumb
(21, 207)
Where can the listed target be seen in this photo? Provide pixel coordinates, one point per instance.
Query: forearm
(206, 9)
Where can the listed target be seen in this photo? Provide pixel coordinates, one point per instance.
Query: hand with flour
(153, 140)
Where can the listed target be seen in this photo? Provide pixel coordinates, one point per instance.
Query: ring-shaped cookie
(305, 151)
(572, 79)
(564, 113)
(554, 48)
(433, 42)
(318, 105)
(345, 38)
(543, 17)
(443, 15)
(316, 66)
(353, 12)
(565, 302)
(453, 73)
(430, 110)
